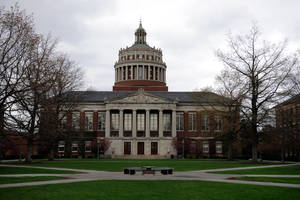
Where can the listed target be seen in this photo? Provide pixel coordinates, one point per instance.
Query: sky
(189, 32)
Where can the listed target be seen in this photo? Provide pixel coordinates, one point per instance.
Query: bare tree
(263, 67)
(230, 87)
(61, 100)
(36, 82)
(16, 40)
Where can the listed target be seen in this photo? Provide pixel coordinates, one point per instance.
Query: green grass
(21, 170)
(149, 190)
(270, 179)
(288, 170)
(120, 164)
(7, 180)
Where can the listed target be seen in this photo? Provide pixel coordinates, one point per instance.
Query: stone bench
(148, 170)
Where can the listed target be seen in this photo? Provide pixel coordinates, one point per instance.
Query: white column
(164, 75)
(131, 72)
(134, 123)
(107, 124)
(173, 123)
(121, 124)
(160, 124)
(147, 123)
(148, 72)
(136, 72)
(144, 75)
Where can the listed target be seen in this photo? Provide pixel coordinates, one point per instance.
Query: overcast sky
(91, 32)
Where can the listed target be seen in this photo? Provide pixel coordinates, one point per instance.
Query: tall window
(88, 146)
(115, 121)
(205, 148)
(205, 123)
(218, 123)
(151, 72)
(63, 120)
(140, 75)
(88, 122)
(76, 120)
(101, 121)
(218, 147)
(167, 121)
(179, 121)
(124, 73)
(140, 121)
(127, 121)
(61, 147)
(129, 72)
(74, 147)
(192, 121)
(153, 122)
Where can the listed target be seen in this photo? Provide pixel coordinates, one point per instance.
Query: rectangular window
(101, 121)
(74, 147)
(218, 147)
(115, 121)
(127, 148)
(153, 122)
(167, 122)
(129, 73)
(127, 121)
(140, 148)
(61, 147)
(88, 146)
(140, 73)
(218, 123)
(88, 122)
(63, 120)
(205, 123)
(205, 148)
(140, 121)
(154, 148)
(76, 120)
(192, 121)
(179, 121)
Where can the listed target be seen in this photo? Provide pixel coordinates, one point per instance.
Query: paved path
(203, 175)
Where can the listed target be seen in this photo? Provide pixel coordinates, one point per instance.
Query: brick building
(140, 118)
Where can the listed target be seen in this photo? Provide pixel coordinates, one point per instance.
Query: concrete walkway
(201, 175)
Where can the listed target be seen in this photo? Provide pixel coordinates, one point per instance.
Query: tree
(61, 100)
(263, 68)
(229, 87)
(16, 40)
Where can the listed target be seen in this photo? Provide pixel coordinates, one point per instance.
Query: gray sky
(91, 32)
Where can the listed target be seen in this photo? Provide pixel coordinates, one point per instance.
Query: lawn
(270, 179)
(7, 180)
(21, 170)
(288, 170)
(120, 164)
(146, 190)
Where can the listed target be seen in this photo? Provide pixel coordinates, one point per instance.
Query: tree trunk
(51, 153)
(28, 158)
(254, 152)
(229, 152)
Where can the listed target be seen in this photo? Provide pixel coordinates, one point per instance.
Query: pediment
(142, 97)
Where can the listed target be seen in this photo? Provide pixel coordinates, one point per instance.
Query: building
(140, 118)
(288, 127)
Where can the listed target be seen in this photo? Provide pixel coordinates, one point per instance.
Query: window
(124, 73)
(74, 147)
(101, 121)
(129, 73)
(179, 121)
(127, 148)
(154, 148)
(76, 120)
(140, 73)
(63, 119)
(153, 122)
(88, 122)
(192, 121)
(138, 56)
(127, 121)
(218, 147)
(140, 121)
(205, 148)
(167, 122)
(140, 148)
(88, 146)
(218, 123)
(61, 147)
(115, 121)
(151, 73)
(205, 123)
